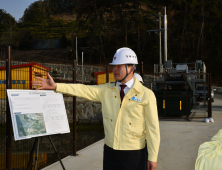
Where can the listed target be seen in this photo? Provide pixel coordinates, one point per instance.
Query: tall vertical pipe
(82, 68)
(141, 70)
(209, 96)
(74, 111)
(165, 38)
(160, 57)
(107, 74)
(76, 52)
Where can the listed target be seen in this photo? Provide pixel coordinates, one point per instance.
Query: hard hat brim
(121, 63)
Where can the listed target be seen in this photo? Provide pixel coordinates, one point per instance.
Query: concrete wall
(86, 112)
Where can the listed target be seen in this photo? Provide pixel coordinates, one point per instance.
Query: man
(129, 114)
(138, 77)
(210, 154)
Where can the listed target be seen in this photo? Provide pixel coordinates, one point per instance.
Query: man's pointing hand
(45, 84)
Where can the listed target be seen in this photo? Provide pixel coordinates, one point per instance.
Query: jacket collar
(137, 85)
(129, 84)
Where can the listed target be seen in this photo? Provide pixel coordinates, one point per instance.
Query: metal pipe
(160, 50)
(165, 94)
(204, 71)
(204, 93)
(82, 68)
(8, 115)
(165, 38)
(107, 74)
(74, 111)
(209, 97)
(186, 99)
(37, 154)
(141, 70)
(76, 52)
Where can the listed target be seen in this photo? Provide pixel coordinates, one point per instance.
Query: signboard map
(37, 113)
(30, 124)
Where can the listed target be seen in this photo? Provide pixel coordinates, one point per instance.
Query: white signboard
(37, 113)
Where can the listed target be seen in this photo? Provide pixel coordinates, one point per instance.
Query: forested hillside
(103, 26)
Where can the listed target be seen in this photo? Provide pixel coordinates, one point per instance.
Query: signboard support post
(37, 141)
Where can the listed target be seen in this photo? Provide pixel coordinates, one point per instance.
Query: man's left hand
(151, 165)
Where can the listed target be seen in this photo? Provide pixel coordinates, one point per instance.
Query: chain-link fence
(25, 66)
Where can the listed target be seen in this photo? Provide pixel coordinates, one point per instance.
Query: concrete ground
(179, 145)
(180, 140)
(89, 158)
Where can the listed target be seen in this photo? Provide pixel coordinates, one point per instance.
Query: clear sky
(15, 7)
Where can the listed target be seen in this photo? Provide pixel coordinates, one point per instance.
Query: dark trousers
(124, 159)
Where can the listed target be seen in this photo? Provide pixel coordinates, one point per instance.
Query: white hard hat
(124, 56)
(138, 77)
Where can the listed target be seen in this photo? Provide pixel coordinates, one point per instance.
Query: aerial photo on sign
(30, 124)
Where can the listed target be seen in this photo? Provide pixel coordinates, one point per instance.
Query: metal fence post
(8, 115)
(209, 96)
(165, 94)
(107, 74)
(74, 110)
(186, 99)
(141, 70)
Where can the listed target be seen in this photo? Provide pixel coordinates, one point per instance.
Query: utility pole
(165, 39)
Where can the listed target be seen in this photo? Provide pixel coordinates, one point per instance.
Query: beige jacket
(126, 124)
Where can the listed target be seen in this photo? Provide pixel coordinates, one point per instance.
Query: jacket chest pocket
(108, 93)
(134, 129)
(135, 110)
(111, 106)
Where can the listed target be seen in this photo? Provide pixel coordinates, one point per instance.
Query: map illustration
(30, 124)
